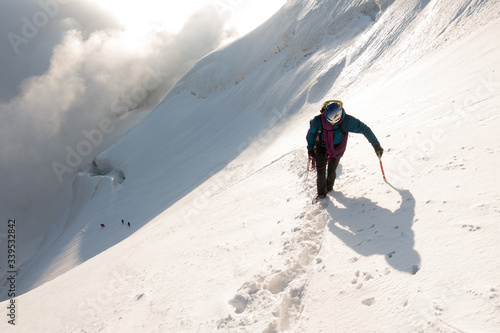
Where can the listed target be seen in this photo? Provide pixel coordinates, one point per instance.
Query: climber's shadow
(370, 229)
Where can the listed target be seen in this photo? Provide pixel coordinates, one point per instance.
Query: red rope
(311, 165)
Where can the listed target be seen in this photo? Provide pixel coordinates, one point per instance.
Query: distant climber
(327, 141)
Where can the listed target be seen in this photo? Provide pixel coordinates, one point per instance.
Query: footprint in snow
(471, 227)
(369, 301)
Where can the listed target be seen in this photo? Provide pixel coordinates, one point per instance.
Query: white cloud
(73, 73)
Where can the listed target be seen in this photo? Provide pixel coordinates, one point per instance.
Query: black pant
(326, 173)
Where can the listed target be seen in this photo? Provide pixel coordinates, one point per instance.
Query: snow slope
(223, 233)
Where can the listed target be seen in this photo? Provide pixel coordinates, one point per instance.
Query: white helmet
(333, 113)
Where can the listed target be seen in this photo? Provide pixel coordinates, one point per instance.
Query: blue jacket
(348, 123)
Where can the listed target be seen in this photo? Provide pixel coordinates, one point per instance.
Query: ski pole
(382, 168)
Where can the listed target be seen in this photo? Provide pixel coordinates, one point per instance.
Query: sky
(71, 68)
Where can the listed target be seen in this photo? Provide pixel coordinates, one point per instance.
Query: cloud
(30, 30)
(77, 74)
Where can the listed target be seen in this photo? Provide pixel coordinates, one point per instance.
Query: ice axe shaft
(382, 168)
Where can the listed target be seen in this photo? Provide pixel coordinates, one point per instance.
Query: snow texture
(223, 234)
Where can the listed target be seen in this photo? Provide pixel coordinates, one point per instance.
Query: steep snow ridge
(273, 75)
(61, 253)
(228, 66)
(273, 88)
(407, 32)
(223, 234)
(449, 93)
(286, 40)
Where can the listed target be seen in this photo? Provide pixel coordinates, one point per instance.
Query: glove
(378, 150)
(311, 153)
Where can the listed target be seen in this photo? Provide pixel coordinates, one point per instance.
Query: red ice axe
(382, 168)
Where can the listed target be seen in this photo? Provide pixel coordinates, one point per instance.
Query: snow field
(224, 235)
